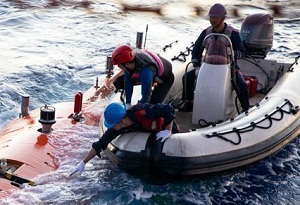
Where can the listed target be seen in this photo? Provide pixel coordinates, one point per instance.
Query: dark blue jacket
(235, 38)
(153, 112)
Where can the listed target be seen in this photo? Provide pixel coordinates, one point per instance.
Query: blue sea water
(52, 51)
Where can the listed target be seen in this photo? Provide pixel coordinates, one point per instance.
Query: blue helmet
(113, 113)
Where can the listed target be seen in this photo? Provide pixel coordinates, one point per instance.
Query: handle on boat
(15, 178)
(295, 62)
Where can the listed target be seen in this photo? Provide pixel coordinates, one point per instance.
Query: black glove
(196, 63)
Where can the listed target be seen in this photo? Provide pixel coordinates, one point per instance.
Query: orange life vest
(148, 124)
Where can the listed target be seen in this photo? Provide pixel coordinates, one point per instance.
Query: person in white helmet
(217, 15)
(140, 117)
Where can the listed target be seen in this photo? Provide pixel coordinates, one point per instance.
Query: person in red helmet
(140, 117)
(145, 68)
(217, 15)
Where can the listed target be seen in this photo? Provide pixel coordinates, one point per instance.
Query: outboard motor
(257, 34)
(214, 94)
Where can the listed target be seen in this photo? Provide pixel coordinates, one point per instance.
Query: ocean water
(52, 51)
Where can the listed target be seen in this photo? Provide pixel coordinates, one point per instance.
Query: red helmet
(217, 10)
(123, 54)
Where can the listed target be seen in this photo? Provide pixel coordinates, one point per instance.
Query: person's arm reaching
(146, 78)
(97, 147)
(81, 165)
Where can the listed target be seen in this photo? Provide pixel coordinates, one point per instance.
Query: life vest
(149, 59)
(146, 123)
(218, 55)
(228, 30)
(158, 61)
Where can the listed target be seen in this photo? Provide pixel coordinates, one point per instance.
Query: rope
(268, 117)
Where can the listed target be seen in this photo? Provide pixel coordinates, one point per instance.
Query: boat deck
(184, 119)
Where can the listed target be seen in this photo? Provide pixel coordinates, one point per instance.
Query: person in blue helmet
(217, 15)
(140, 117)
